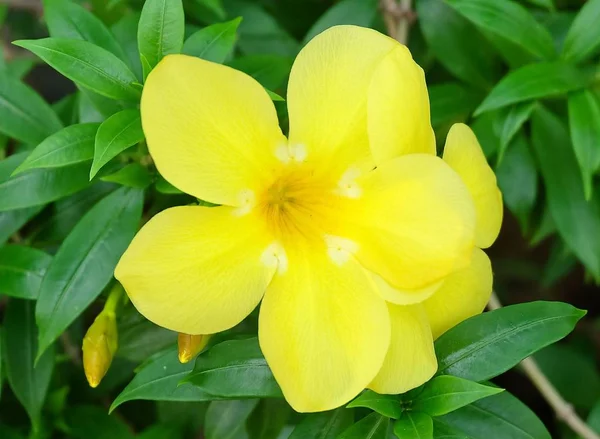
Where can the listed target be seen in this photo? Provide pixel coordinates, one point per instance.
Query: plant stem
(563, 410)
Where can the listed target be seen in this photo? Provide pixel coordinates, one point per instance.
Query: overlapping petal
(197, 270)
(404, 296)
(323, 330)
(211, 130)
(410, 360)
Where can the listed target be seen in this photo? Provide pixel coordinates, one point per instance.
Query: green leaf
(456, 44)
(489, 344)
(268, 419)
(93, 107)
(24, 115)
(584, 124)
(87, 65)
(161, 431)
(66, 19)
(71, 145)
(90, 422)
(131, 175)
(499, 416)
(227, 419)
(12, 221)
(234, 369)
(158, 380)
(164, 187)
(139, 338)
(116, 134)
(445, 394)
(534, 81)
(38, 186)
(324, 425)
(356, 12)
(160, 31)
(414, 425)
(22, 270)
(85, 262)
(125, 31)
(451, 102)
(28, 383)
(512, 122)
(271, 71)
(577, 220)
(387, 405)
(509, 20)
(213, 43)
(373, 426)
(582, 42)
(548, 4)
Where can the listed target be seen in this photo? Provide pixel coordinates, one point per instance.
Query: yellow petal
(463, 295)
(399, 119)
(413, 222)
(197, 270)
(323, 330)
(404, 296)
(410, 360)
(211, 130)
(327, 95)
(463, 153)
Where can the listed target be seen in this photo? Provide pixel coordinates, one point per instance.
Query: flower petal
(327, 95)
(323, 330)
(410, 360)
(211, 130)
(463, 153)
(404, 297)
(398, 108)
(413, 222)
(463, 295)
(196, 270)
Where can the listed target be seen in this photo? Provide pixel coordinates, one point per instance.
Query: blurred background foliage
(524, 74)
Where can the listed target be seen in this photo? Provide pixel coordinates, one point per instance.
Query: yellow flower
(343, 227)
(99, 346)
(188, 346)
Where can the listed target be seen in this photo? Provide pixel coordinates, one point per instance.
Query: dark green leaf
(213, 43)
(22, 270)
(160, 31)
(444, 394)
(534, 81)
(88, 65)
(269, 419)
(85, 262)
(325, 425)
(125, 31)
(139, 338)
(71, 145)
(28, 383)
(95, 108)
(451, 102)
(227, 419)
(584, 124)
(20, 67)
(387, 405)
(131, 175)
(89, 422)
(373, 426)
(234, 369)
(116, 134)
(164, 187)
(414, 425)
(508, 20)
(357, 12)
(66, 19)
(161, 431)
(12, 221)
(270, 70)
(582, 42)
(23, 114)
(499, 416)
(512, 122)
(489, 344)
(577, 220)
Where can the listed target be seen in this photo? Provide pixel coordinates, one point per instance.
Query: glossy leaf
(582, 42)
(85, 262)
(116, 134)
(534, 81)
(226, 419)
(24, 115)
(508, 20)
(28, 383)
(160, 31)
(13, 220)
(373, 426)
(489, 344)
(269, 418)
(235, 369)
(271, 71)
(577, 220)
(131, 175)
(414, 425)
(324, 425)
(139, 338)
(21, 270)
(213, 43)
(387, 405)
(451, 102)
(356, 12)
(125, 32)
(584, 124)
(71, 145)
(87, 65)
(512, 122)
(90, 422)
(444, 394)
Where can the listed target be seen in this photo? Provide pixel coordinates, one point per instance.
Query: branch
(563, 410)
(398, 17)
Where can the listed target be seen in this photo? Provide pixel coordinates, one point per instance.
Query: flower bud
(190, 345)
(99, 347)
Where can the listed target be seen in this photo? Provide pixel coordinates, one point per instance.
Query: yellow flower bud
(190, 345)
(99, 347)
